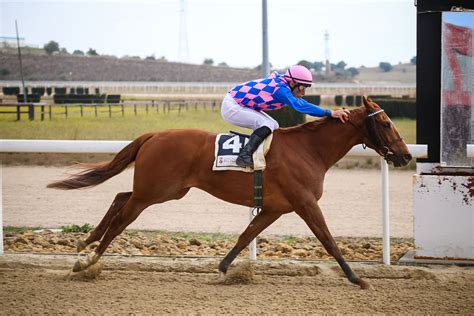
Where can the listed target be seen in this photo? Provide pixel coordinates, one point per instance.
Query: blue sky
(362, 32)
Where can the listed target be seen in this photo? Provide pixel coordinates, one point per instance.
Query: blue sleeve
(285, 96)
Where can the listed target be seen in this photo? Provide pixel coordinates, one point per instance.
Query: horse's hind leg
(99, 231)
(258, 224)
(313, 216)
(125, 216)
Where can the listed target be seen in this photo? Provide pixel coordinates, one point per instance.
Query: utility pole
(183, 49)
(25, 93)
(326, 52)
(265, 62)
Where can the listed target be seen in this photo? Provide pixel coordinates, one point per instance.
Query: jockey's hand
(343, 115)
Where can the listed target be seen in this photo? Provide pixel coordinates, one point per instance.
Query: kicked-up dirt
(43, 284)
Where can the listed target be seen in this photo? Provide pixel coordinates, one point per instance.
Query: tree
(64, 51)
(259, 67)
(51, 47)
(353, 71)
(152, 57)
(223, 64)
(413, 60)
(208, 61)
(318, 65)
(341, 65)
(92, 52)
(305, 64)
(78, 52)
(386, 67)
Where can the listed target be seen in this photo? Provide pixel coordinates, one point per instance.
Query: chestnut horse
(169, 163)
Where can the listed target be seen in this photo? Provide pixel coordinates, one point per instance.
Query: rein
(382, 147)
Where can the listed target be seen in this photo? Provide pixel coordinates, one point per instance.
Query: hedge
(398, 107)
(287, 116)
(38, 90)
(59, 90)
(11, 90)
(113, 98)
(78, 98)
(315, 99)
(349, 100)
(31, 98)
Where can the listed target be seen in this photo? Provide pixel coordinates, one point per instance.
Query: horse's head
(382, 135)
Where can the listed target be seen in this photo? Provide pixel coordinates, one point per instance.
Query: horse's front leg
(256, 226)
(312, 215)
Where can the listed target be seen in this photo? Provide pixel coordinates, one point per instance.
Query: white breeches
(233, 113)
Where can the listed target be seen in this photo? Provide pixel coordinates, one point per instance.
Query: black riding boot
(245, 156)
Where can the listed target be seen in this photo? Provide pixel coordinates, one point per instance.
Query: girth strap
(257, 191)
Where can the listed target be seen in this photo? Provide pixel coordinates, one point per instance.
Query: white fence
(219, 88)
(93, 146)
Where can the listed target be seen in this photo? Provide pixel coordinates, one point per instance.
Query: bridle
(382, 146)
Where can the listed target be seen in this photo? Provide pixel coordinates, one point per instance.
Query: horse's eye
(386, 125)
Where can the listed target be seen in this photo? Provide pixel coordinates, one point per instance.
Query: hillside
(99, 68)
(42, 67)
(402, 73)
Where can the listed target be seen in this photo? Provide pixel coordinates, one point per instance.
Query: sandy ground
(351, 204)
(43, 284)
(33, 284)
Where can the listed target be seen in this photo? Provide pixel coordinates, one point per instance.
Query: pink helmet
(299, 74)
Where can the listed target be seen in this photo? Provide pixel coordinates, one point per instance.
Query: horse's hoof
(81, 245)
(365, 285)
(78, 266)
(82, 264)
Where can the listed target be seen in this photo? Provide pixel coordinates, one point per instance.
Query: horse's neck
(332, 141)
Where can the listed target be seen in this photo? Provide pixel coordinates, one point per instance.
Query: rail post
(385, 211)
(253, 243)
(1, 212)
(31, 112)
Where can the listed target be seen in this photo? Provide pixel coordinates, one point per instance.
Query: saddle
(228, 146)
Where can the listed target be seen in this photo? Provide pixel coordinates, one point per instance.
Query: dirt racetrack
(351, 204)
(38, 284)
(42, 284)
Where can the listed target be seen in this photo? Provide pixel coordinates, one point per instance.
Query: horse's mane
(317, 124)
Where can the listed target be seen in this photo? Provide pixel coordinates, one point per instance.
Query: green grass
(130, 126)
(116, 128)
(77, 229)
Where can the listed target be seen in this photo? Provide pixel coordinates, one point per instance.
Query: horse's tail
(94, 174)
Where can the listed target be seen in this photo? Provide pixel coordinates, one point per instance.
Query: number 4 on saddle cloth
(228, 146)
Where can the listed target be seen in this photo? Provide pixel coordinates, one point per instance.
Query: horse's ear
(365, 101)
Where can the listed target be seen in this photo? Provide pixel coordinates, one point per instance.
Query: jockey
(244, 104)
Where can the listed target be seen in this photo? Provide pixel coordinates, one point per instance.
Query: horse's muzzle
(400, 160)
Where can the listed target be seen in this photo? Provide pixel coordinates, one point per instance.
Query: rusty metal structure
(444, 183)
